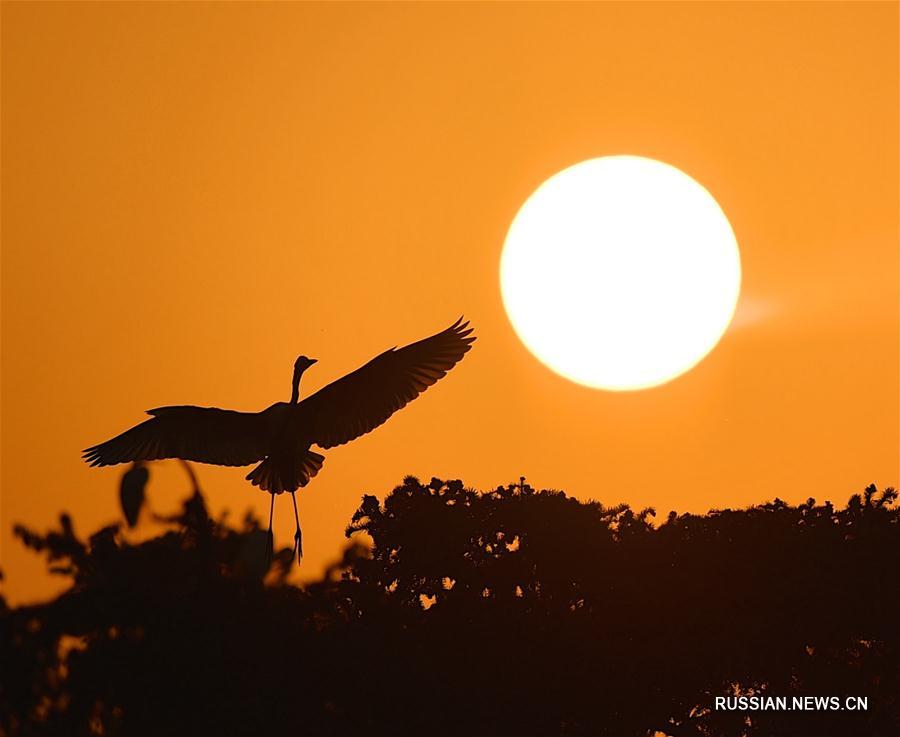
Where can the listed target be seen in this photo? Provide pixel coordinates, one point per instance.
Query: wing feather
(203, 434)
(361, 401)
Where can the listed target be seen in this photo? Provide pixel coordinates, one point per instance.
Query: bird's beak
(313, 360)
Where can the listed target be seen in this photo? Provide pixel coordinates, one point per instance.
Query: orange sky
(195, 194)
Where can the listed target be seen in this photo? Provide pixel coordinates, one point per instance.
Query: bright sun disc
(620, 272)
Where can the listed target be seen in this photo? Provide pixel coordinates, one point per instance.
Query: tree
(509, 612)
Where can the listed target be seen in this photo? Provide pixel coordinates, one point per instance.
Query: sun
(620, 272)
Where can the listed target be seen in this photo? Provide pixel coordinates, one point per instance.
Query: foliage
(510, 612)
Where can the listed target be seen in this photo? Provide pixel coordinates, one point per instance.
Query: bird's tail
(283, 473)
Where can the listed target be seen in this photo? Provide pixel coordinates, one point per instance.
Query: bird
(279, 438)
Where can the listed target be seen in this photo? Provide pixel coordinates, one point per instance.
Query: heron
(280, 437)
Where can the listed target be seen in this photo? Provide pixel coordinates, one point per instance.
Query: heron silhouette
(281, 435)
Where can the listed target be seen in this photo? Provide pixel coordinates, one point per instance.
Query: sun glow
(620, 273)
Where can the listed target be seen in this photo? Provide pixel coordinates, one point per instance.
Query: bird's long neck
(295, 385)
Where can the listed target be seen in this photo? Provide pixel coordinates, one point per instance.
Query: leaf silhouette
(132, 492)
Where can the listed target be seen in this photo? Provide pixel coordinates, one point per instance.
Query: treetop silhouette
(454, 612)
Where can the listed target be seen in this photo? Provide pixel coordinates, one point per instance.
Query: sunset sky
(195, 194)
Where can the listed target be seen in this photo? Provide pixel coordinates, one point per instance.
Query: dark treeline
(513, 612)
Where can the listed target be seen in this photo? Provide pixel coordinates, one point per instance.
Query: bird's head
(302, 363)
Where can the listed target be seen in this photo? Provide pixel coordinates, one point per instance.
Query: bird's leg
(270, 538)
(298, 536)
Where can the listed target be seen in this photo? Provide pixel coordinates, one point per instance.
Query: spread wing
(362, 400)
(203, 434)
